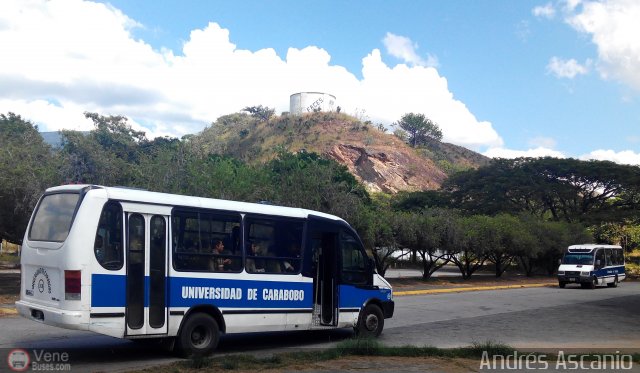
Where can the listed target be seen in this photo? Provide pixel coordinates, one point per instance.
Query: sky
(505, 78)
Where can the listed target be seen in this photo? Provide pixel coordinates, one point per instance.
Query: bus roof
(588, 247)
(144, 196)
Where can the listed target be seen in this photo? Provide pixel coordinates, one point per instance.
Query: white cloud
(567, 68)
(614, 28)
(543, 142)
(623, 157)
(533, 153)
(403, 48)
(544, 11)
(571, 5)
(63, 57)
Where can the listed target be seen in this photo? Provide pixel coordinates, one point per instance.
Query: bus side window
(195, 235)
(276, 242)
(353, 261)
(108, 242)
(599, 257)
(619, 257)
(607, 258)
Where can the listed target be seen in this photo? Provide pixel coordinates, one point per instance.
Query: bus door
(322, 248)
(146, 263)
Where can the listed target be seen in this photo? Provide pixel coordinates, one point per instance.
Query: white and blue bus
(591, 264)
(137, 264)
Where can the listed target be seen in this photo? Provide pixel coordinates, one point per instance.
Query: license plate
(573, 279)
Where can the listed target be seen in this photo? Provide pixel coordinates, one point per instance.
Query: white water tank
(308, 102)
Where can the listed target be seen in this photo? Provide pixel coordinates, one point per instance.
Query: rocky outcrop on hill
(388, 170)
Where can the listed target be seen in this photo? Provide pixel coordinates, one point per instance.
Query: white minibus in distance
(136, 264)
(591, 265)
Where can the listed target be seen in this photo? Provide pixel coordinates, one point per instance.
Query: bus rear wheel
(370, 322)
(199, 336)
(613, 284)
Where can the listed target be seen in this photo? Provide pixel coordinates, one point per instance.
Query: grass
(352, 347)
(9, 258)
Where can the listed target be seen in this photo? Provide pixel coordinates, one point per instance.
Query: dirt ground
(412, 283)
(388, 364)
(361, 364)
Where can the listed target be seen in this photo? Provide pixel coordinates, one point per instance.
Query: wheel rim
(371, 322)
(200, 336)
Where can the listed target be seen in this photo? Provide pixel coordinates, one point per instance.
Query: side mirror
(559, 261)
(598, 262)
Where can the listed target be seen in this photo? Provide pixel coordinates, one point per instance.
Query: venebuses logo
(18, 360)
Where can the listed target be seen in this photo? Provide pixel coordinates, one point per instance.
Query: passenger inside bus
(220, 262)
(255, 264)
(292, 263)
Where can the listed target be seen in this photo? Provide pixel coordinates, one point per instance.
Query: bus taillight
(72, 285)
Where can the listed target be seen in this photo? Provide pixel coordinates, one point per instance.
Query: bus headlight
(583, 273)
(560, 273)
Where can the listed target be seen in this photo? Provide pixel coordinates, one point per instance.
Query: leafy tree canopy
(419, 129)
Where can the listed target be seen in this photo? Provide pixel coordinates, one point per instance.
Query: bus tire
(613, 284)
(593, 283)
(370, 322)
(199, 336)
(562, 284)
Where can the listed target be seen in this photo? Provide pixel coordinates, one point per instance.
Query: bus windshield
(578, 258)
(53, 219)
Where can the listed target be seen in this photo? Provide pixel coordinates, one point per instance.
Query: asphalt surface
(540, 319)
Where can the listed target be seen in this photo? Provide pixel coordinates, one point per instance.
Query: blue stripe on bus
(110, 291)
(354, 297)
(224, 293)
(609, 271)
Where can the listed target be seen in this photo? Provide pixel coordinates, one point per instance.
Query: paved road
(532, 318)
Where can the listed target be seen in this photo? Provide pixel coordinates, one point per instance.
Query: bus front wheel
(562, 284)
(199, 336)
(370, 322)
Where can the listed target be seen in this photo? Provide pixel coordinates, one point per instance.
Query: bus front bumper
(53, 316)
(575, 278)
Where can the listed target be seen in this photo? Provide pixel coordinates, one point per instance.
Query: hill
(380, 160)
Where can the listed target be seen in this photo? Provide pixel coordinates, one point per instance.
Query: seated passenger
(254, 263)
(219, 262)
(292, 264)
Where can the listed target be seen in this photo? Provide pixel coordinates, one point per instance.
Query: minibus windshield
(577, 258)
(53, 219)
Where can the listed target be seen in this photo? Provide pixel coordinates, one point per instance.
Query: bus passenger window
(599, 257)
(202, 242)
(273, 245)
(108, 243)
(607, 257)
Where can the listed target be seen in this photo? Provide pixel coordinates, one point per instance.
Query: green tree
(27, 167)
(260, 112)
(470, 252)
(419, 128)
(108, 155)
(550, 188)
(434, 236)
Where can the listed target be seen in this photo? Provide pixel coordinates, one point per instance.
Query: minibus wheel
(199, 336)
(593, 283)
(613, 284)
(370, 322)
